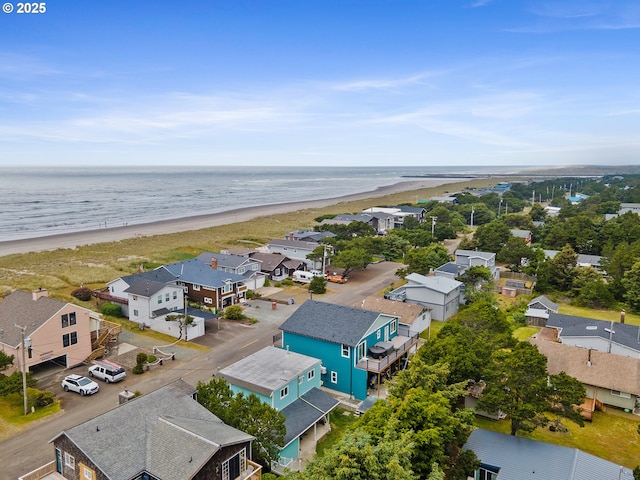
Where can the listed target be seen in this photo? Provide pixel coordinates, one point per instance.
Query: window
(167, 297)
(485, 473)
(65, 320)
(618, 393)
(277, 272)
(300, 379)
(255, 267)
(87, 473)
(284, 392)
(237, 464)
(135, 313)
(228, 287)
(334, 377)
(378, 334)
(72, 318)
(311, 374)
(69, 460)
(208, 300)
(394, 325)
(175, 294)
(241, 270)
(159, 298)
(362, 350)
(195, 286)
(69, 339)
(345, 351)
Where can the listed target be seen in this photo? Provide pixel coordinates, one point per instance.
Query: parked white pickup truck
(107, 371)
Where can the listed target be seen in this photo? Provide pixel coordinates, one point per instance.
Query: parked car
(335, 278)
(317, 273)
(79, 384)
(107, 371)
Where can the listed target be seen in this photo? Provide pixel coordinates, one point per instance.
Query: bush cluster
(82, 294)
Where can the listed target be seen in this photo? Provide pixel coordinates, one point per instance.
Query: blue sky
(321, 82)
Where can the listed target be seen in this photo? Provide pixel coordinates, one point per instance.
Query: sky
(321, 82)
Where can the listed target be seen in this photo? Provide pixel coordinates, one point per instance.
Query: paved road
(233, 341)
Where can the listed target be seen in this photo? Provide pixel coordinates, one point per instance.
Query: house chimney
(589, 358)
(622, 314)
(291, 236)
(41, 292)
(214, 263)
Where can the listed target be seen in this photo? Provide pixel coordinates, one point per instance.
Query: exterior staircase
(108, 332)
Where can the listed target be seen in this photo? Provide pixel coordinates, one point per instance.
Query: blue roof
(195, 272)
(521, 458)
(330, 322)
(305, 412)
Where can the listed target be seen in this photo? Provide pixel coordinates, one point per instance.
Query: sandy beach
(72, 240)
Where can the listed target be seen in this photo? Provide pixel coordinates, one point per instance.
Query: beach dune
(75, 239)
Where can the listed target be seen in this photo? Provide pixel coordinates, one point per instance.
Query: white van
(301, 276)
(108, 371)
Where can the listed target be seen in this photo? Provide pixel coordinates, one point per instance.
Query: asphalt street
(230, 342)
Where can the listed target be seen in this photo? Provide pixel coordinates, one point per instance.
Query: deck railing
(38, 473)
(382, 364)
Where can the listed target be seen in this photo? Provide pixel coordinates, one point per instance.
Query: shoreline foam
(197, 222)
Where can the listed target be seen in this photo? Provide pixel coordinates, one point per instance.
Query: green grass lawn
(522, 333)
(608, 315)
(340, 420)
(12, 418)
(612, 435)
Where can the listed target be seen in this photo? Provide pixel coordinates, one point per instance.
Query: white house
(441, 295)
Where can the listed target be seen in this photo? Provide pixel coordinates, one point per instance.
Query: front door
(386, 333)
(58, 461)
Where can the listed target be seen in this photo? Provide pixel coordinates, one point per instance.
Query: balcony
(45, 472)
(401, 345)
(253, 471)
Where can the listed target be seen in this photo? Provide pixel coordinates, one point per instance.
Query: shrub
(39, 398)
(138, 369)
(141, 359)
(287, 282)
(233, 312)
(111, 309)
(151, 358)
(82, 294)
(267, 282)
(13, 383)
(318, 285)
(277, 284)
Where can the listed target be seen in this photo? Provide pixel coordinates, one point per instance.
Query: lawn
(609, 315)
(612, 435)
(12, 418)
(340, 419)
(522, 333)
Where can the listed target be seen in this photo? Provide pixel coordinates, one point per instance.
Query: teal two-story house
(290, 383)
(357, 347)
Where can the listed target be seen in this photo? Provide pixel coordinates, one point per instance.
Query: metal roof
(521, 458)
(438, 284)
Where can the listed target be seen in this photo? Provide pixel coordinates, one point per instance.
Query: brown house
(164, 435)
(53, 330)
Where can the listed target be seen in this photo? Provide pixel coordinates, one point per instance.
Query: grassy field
(608, 315)
(62, 270)
(612, 435)
(12, 418)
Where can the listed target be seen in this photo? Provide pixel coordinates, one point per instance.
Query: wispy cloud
(385, 84)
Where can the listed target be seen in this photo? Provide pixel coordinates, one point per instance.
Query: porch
(45, 472)
(307, 450)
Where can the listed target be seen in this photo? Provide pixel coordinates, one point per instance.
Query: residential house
(207, 285)
(309, 236)
(523, 234)
(594, 369)
(399, 213)
(507, 457)
(411, 318)
(629, 207)
(538, 311)
(276, 266)
(612, 337)
(296, 250)
(357, 347)
(583, 260)
(241, 265)
(381, 222)
(116, 289)
(445, 199)
(465, 259)
(52, 330)
(163, 435)
(290, 383)
(441, 295)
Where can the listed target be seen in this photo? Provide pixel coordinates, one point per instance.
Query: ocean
(44, 201)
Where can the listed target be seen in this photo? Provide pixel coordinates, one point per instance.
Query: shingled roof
(165, 433)
(196, 272)
(573, 326)
(330, 322)
(20, 308)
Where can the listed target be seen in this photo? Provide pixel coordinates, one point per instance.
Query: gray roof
(268, 369)
(330, 322)
(408, 209)
(582, 258)
(438, 284)
(157, 275)
(224, 260)
(293, 244)
(196, 272)
(548, 304)
(145, 288)
(452, 268)
(305, 412)
(19, 308)
(571, 326)
(521, 458)
(474, 254)
(269, 261)
(165, 433)
(309, 235)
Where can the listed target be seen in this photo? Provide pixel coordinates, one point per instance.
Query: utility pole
(24, 367)
(433, 225)
(500, 207)
(472, 212)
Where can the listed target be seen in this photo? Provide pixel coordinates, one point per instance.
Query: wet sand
(74, 239)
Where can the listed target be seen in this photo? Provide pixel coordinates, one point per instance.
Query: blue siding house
(357, 347)
(290, 383)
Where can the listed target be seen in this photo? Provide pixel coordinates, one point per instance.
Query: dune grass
(93, 265)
